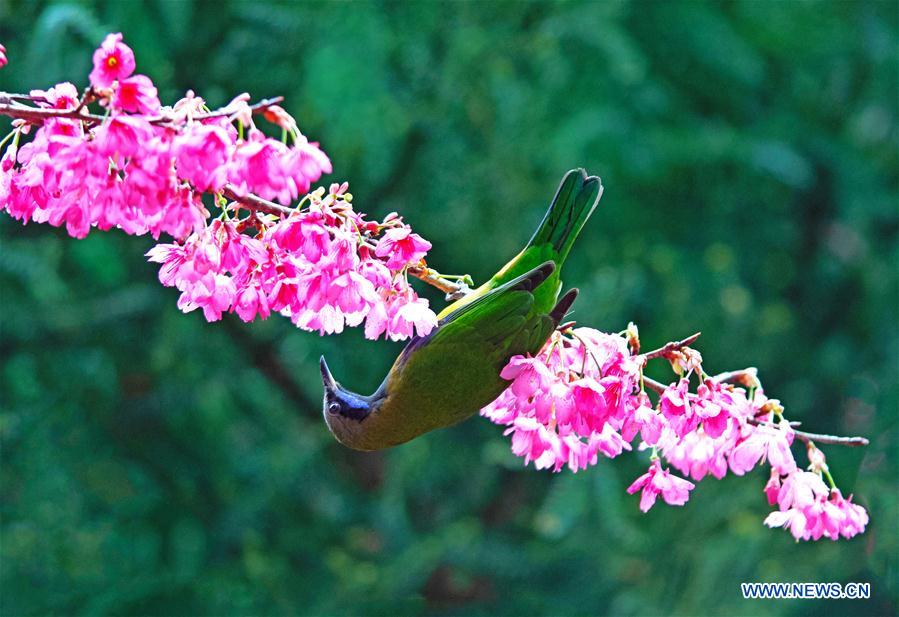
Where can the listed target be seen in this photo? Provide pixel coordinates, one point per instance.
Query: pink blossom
(697, 454)
(3, 60)
(113, 61)
(642, 418)
(533, 441)
(765, 441)
(413, 313)
(676, 407)
(827, 514)
(793, 519)
(855, 517)
(772, 488)
(402, 247)
(801, 489)
(202, 156)
(136, 94)
(675, 491)
(250, 302)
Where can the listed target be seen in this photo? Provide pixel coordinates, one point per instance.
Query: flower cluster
(143, 168)
(324, 266)
(584, 394)
(808, 508)
(568, 404)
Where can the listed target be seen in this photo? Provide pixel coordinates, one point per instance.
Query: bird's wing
(574, 202)
(504, 317)
(572, 205)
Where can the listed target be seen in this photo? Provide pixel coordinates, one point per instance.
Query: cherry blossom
(144, 169)
(583, 395)
(675, 491)
(113, 61)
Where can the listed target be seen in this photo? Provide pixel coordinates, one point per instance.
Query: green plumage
(574, 202)
(445, 377)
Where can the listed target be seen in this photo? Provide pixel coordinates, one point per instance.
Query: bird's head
(352, 418)
(341, 402)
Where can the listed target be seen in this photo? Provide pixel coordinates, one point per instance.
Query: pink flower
(3, 60)
(250, 302)
(532, 440)
(402, 247)
(764, 441)
(305, 233)
(825, 515)
(202, 156)
(855, 517)
(793, 519)
(609, 442)
(136, 94)
(772, 488)
(696, 454)
(113, 61)
(413, 313)
(122, 137)
(675, 491)
(801, 489)
(675, 405)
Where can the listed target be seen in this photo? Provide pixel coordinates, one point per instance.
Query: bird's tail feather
(574, 202)
(562, 306)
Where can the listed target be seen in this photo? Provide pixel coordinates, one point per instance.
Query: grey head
(350, 417)
(339, 401)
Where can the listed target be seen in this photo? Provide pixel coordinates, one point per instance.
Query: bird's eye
(333, 407)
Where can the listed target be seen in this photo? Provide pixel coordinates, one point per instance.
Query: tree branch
(9, 106)
(254, 203)
(663, 351)
(804, 436)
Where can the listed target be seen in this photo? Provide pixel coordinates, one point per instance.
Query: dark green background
(156, 464)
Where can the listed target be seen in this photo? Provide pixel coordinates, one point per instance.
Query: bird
(448, 375)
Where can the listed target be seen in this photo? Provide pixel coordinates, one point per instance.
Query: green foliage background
(156, 464)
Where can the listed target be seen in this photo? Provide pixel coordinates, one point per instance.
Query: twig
(666, 349)
(745, 377)
(453, 291)
(257, 204)
(804, 436)
(821, 438)
(423, 273)
(9, 107)
(656, 386)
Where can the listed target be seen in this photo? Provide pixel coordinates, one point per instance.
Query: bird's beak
(327, 377)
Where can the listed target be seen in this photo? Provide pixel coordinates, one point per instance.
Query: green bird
(447, 376)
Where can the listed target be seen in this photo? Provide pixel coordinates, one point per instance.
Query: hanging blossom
(584, 395)
(143, 168)
(318, 266)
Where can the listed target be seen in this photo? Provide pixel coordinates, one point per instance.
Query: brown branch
(257, 204)
(804, 436)
(422, 273)
(745, 377)
(666, 349)
(656, 386)
(10, 107)
(453, 291)
(819, 437)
